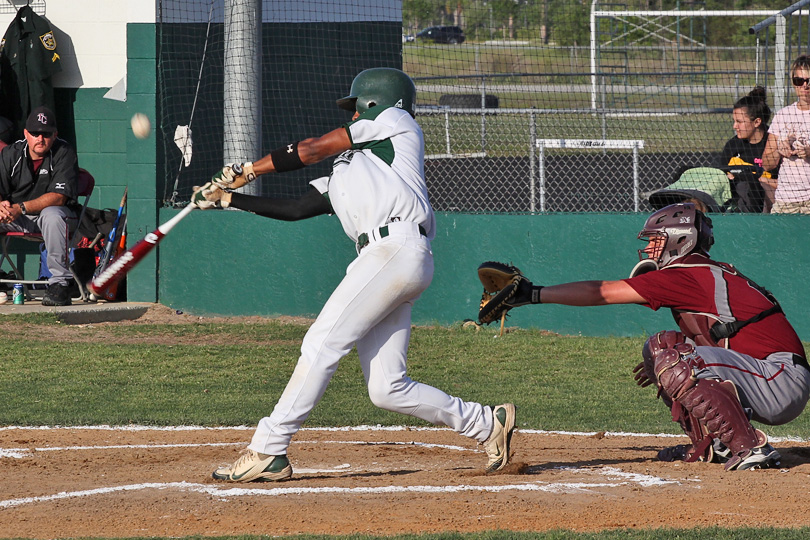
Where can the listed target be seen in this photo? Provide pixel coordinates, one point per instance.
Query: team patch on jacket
(48, 41)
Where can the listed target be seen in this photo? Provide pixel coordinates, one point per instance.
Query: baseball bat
(127, 260)
(98, 237)
(109, 246)
(111, 292)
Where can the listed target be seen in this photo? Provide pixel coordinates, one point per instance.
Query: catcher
(735, 359)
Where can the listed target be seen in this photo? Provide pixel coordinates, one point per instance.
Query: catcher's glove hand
(505, 287)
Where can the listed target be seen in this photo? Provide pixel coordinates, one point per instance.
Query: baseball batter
(735, 358)
(377, 190)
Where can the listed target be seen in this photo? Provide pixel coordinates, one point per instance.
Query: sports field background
(677, 105)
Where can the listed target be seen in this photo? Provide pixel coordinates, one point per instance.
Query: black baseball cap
(41, 120)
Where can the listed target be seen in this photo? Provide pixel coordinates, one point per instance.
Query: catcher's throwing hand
(210, 196)
(641, 377)
(505, 287)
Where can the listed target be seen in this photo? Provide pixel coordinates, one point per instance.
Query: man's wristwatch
(23, 211)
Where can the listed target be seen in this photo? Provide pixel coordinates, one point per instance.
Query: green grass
(565, 85)
(230, 374)
(423, 59)
(226, 374)
(510, 134)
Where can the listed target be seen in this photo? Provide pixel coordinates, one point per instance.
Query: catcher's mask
(681, 229)
(380, 86)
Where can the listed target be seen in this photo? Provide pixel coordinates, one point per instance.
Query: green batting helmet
(380, 86)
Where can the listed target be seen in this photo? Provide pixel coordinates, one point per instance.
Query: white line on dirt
(27, 452)
(24, 452)
(615, 476)
(135, 427)
(225, 493)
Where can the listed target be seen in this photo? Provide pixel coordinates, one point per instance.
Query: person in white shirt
(378, 192)
(790, 145)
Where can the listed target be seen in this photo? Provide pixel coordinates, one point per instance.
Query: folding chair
(85, 189)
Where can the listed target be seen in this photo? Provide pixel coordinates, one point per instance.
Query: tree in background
(569, 22)
(417, 14)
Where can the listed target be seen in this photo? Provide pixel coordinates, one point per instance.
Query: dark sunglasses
(800, 81)
(45, 134)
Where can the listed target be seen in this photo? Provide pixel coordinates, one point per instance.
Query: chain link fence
(518, 114)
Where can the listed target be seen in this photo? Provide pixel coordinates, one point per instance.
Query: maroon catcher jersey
(700, 285)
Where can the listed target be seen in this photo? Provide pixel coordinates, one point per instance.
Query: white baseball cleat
(498, 445)
(255, 467)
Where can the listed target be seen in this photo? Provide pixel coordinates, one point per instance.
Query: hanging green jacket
(28, 60)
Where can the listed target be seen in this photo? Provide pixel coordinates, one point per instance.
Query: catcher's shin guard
(706, 409)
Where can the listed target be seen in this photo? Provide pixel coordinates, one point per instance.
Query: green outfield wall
(236, 263)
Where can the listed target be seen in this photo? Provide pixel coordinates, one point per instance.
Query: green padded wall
(235, 263)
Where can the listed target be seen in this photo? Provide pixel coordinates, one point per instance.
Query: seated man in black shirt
(38, 184)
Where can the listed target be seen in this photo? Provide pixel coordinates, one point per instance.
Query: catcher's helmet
(684, 230)
(380, 86)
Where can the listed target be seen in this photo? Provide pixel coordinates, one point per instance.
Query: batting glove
(234, 175)
(210, 196)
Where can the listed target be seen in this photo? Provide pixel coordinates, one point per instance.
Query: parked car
(442, 34)
(406, 38)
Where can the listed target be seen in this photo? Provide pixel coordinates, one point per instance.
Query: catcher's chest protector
(697, 326)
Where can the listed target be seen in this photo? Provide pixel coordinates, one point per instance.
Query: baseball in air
(3, 298)
(141, 126)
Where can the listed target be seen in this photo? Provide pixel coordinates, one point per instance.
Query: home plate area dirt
(138, 481)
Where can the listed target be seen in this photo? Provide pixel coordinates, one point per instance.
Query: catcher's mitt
(501, 284)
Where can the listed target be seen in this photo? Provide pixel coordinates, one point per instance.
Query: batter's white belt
(397, 227)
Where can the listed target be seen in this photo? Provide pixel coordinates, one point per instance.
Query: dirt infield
(117, 482)
(140, 482)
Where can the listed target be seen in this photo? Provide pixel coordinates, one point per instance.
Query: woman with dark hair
(751, 115)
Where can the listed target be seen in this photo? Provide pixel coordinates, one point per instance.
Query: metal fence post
(542, 166)
(447, 130)
(636, 195)
(242, 90)
(779, 64)
(532, 165)
(483, 114)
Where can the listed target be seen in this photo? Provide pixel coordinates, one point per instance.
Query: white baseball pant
(370, 308)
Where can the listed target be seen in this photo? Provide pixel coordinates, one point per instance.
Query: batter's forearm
(310, 205)
(306, 152)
